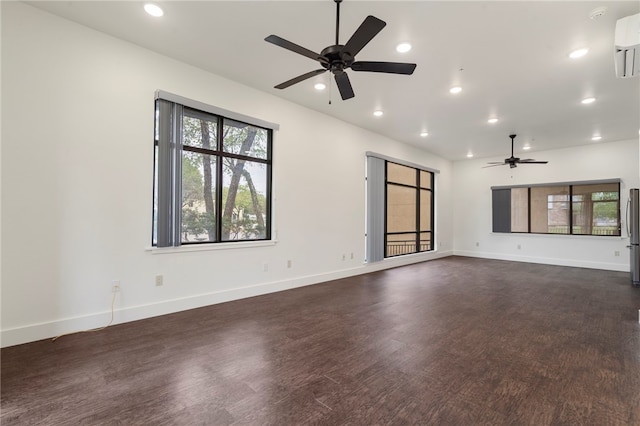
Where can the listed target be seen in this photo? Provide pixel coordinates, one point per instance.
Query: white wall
(77, 165)
(472, 206)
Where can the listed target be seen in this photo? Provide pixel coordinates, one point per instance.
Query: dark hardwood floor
(455, 341)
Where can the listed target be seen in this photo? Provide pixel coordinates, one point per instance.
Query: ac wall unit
(627, 43)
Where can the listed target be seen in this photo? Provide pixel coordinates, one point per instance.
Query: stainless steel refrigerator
(633, 230)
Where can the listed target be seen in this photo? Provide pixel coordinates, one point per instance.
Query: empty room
(320, 212)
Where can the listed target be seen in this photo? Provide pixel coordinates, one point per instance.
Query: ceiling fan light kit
(338, 58)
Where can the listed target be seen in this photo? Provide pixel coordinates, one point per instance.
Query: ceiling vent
(627, 43)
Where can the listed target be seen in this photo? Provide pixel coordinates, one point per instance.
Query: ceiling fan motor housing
(337, 59)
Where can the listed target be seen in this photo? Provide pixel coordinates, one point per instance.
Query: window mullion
(418, 211)
(529, 210)
(386, 202)
(219, 170)
(571, 209)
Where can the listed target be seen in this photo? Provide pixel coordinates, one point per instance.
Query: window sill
(211, 247)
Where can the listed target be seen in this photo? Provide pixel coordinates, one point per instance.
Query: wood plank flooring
(455, 341)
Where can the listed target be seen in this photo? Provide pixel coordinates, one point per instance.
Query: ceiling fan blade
(494, 165)
(529, 161)
(299, 78)
(279, 41)
(388, 67)
(496, 162)
(344, 86)
(363, 35)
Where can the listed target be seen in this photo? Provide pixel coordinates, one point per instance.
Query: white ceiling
(513, 56)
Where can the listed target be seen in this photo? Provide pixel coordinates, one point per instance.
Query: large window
(408, 210)
(212, 177)
(589, 208)
(400, 208)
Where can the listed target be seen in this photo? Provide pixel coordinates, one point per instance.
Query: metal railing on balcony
(584, 230)
(396, 248)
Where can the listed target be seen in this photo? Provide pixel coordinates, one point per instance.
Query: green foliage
(606, 210)
(244, 201)
(192, 179)
(604, 196)
(195, 222)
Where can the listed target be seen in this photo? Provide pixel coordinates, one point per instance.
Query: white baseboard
(34, 332)
(544, 260)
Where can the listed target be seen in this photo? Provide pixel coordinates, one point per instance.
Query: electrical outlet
(159, 280)
(616, 253)
(344, 256)
(265, 267)
(519, 246)
(115, 286)
(289, 263)
(477, 244)
(351, 255)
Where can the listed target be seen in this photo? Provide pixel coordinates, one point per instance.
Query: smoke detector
(597, 13)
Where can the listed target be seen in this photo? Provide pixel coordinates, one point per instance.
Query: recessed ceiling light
(424, 134)
(320, 86)
(153, 10)
(578, 53)
(596, 138)
(492, 120)
(526, 147)
(377, 113)
(403, 47)
(455, 89)
(469, 155)
(588, 100)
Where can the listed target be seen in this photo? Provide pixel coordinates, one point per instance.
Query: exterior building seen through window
(408, 210)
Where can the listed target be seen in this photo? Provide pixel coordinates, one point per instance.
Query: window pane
(244, 139)
(198, 197)
(426, 179)
(398, 244)
(425, 241)
(425, 210)
(244, 200)
(550, 209)
(519, 209)
(401, 209)
(595, 209)
(401, 174)
(605, 218)
(199, 129)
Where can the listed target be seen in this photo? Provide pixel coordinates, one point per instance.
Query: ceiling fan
(338, 58)
(514, 161)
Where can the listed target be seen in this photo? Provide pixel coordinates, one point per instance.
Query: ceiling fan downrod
(338, 20)
(512, 138)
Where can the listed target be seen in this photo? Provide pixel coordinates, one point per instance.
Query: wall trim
(46, 330)
(545, 260)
